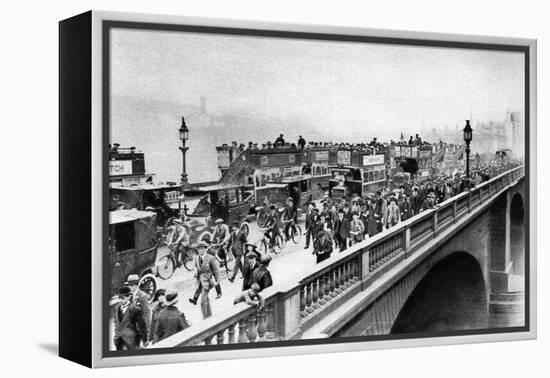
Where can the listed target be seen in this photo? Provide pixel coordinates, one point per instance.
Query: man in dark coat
(280, 141)
(140, 299)
(341, 230)
(322, 246)
(301, 142)
(254, 271)
(170, 320)
(290, 216)
(130, 327)
(237, 240)
(312, 218)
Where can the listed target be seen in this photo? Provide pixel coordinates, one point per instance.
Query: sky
(341, 90)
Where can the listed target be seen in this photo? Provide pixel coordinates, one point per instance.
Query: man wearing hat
(254, 271)
(312, 218)
(280, 141)
(341, 230)
(290, 215)
(140, 299)
(130, 328)
(208, 276)
(170, 320)
(322, 246)
(178, 237)
(272, 225)
(237, 240)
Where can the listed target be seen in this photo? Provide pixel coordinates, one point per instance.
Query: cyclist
(290, 214)
(178, 238)
(220, 237)
(272, 226)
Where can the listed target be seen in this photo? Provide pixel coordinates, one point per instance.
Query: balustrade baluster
(303, 311)
(220, 337)
(342, 277)
(327, 296)
(208, 340)
(243, 339)
(251, 331)
(270, 323)
(337, 288)
(231, 334)
(321, 290)
(262, 327)
(309, 307)
(332, 278)
(345, 268)
(315, 294)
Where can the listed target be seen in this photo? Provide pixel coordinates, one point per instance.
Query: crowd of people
(330, 225)
(337, 225)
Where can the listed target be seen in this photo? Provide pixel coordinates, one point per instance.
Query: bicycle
(224, 257)
(294, 231)
(264, 243)
(176, 258)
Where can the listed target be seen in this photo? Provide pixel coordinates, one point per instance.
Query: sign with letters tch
(120, 167)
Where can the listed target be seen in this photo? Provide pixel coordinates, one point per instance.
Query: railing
(291, 306)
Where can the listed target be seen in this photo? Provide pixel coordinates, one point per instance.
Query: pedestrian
(341, 230)
(237, 240)
(251, 296)
(301, 142)
(207, 276)
(392, 216)
(280, 141)
(255, 271)
(157, 305)
(322, 246)
(140, 299)
(357, 229)
(311, 222)
(290, 216)
(130, 331)
(170, 320)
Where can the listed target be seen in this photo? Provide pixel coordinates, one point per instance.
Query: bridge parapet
(294, 306)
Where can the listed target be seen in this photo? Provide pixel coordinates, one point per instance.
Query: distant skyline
(340, 90)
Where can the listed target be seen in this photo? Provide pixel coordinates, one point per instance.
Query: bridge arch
(452, 295)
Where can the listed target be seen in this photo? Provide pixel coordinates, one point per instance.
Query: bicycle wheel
(188, 259)
(279, 244)
(262, 246)
(166, 267)
(296, 233)
(282, 241)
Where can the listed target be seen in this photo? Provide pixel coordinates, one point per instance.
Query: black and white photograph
(276, 189)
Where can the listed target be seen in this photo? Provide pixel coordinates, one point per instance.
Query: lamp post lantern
(184, 137)
(468, 139)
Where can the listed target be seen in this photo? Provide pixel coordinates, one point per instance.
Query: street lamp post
(184, 137)
(468, 138)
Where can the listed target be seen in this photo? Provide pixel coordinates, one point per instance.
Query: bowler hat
(132, 279)
(236, 224)
(171, 297)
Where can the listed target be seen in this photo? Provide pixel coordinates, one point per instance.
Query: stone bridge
(455, 267)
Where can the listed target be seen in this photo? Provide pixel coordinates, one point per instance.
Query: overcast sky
(328, 85)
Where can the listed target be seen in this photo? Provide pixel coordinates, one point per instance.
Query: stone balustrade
(290, 307)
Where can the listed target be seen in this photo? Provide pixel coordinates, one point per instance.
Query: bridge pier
(506, 299)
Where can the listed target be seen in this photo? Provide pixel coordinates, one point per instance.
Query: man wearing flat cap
(312, 218)
(208, 276)
(130, 328)
(170, 320)
(255, 269)
(237, 240)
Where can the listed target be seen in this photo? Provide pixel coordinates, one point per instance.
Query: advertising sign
(373, 159)
(321, 155)
(344, 157)
(120, 167)
(223, 159)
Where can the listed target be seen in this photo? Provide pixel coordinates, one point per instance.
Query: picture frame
(356, 300)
